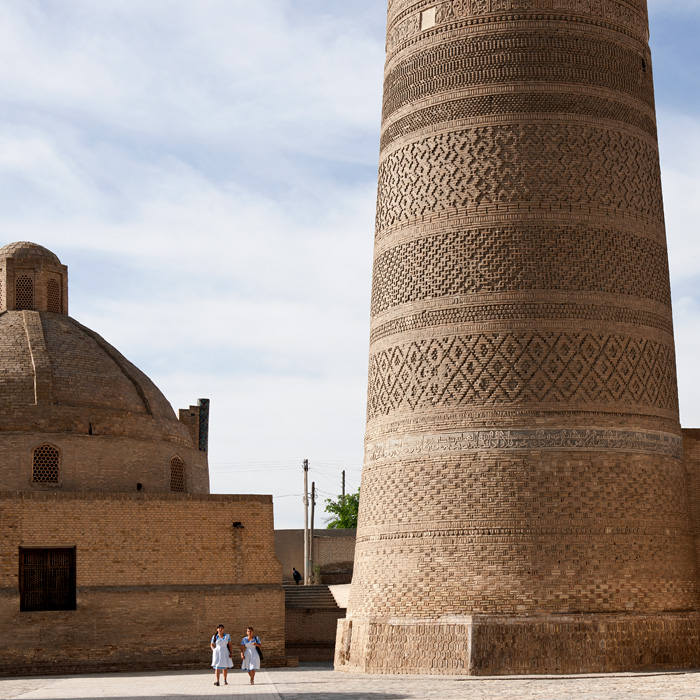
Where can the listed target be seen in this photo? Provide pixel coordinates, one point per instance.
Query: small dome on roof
(27, 250)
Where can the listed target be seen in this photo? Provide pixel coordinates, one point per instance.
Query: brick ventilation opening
(46, 462)
(177, 475)
(47, 579)
(53, 297)
(24, 293)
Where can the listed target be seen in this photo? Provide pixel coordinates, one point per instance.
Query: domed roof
(29, 251)
(56, 375)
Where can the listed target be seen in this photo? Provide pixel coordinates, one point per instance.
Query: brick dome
(27, 250)
(52, 362)
(63, 385)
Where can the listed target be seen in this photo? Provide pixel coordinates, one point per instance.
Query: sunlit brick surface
(524, 498)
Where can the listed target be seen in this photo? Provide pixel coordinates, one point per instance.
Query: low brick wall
(311, 633)
(333, 552)
(155, 575)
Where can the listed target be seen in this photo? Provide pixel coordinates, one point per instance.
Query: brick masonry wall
(523, 462)
(334, 552)
(102, 463)
(155, 575)
(311, 633)
(691, 451)
(335, 556)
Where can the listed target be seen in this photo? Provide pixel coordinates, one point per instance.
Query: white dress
(220, 655)
(251, 661)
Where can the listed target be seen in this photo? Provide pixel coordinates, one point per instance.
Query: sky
(207, 170)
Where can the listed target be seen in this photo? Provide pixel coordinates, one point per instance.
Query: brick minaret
(523, 505)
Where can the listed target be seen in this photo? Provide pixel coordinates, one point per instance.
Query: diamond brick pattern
(521, 368)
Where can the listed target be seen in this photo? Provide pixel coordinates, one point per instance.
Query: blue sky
(208, 173)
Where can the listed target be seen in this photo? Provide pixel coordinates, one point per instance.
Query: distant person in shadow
(221, 654)
(250, 655)
(296, 576)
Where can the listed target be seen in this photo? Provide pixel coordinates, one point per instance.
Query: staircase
(311, 622)
(309, 597)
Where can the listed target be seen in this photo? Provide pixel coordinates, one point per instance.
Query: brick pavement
(319, 682)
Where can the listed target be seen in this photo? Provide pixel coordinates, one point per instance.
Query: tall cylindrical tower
(523, 502)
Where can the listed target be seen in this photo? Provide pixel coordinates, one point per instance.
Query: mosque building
(112, 551)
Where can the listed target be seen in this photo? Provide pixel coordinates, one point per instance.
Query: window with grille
(46, 579)
(24, 293)
(53, 296)
(46, 464)
(177, 475)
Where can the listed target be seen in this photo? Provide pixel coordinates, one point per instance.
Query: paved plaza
(320, 682)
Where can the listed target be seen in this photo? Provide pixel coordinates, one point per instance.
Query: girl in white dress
(221, 654)
(249, 654)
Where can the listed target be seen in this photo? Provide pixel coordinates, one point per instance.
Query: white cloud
(207, 171)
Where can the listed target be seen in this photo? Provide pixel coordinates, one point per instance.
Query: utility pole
(310, 573)
(305, 465)
(343, 491)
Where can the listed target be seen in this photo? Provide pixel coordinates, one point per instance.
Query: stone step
(317, 596)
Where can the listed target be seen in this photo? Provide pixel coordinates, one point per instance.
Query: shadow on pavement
(326, 695)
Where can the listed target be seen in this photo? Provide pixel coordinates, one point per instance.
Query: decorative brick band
(406, 25)
(548, 439)
(486, 645)
(520, 258)
(449, 172)
(474, 317)
(510, 104)
(548, 58)
(522, 368)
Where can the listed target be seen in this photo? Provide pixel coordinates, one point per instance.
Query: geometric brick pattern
(46, 464)
(522, 368)
(550, 58)
(518, 259)
(530, 102)
(449, 172)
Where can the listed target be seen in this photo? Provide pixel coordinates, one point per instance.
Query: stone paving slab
(320, 682)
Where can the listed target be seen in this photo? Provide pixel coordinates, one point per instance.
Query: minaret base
(494, 645)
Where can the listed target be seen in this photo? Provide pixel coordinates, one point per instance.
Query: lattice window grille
(24, 293)
(53, 296)
(47, 579)
(46, 464)
(2, 291)
(177, 475)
